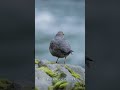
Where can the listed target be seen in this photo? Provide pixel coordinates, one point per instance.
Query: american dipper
(59, 47)
(88, 61)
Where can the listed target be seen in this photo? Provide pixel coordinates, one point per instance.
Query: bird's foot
(57, 62)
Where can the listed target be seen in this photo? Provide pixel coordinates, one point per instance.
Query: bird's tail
(71, 51)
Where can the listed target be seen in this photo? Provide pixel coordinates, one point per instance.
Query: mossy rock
(36, 88)
(78, 86)
(37, 61)
(61, 76)
(74, 74)
(48, 71)
(6, 84)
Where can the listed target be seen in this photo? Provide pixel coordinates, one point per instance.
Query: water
(68, 16)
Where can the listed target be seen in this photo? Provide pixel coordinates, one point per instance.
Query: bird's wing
(64, 46)
(53, 45)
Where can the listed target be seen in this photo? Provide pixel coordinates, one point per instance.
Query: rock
(52, 76)
(9, 85)
(18, 85)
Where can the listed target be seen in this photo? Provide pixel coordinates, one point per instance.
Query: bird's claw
(57, 62)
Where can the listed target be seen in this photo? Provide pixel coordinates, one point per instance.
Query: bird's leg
(57, 60)
(64, 60)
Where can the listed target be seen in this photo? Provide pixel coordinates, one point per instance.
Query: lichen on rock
(37, 61)
(74, 74)
(47, 71)
(36, 88)
(78, 86)
(52, 76)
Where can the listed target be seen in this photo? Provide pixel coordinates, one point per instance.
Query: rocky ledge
(52, 76)
(6, 84)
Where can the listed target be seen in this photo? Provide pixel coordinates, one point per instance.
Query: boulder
(52, 76)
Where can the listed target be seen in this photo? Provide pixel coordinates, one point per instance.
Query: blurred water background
(68, 16)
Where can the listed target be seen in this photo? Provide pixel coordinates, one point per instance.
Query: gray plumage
(59, 47)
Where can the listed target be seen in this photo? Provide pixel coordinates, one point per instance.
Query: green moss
(5, 84)
(51, 63)
(63, 85)
(61, 75)
(50, 87)
(37, 61)
(55, 80)
(74, 74)
(79, 86)
(36, 88)
(48, 71)
(60, 85)
(57, 83)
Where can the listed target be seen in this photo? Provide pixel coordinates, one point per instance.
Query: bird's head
(60, 34)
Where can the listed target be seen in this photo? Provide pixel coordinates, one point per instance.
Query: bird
(88, 60)
(60, 47)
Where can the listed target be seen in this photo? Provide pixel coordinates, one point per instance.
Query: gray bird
(88, 61)
(59, 47)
